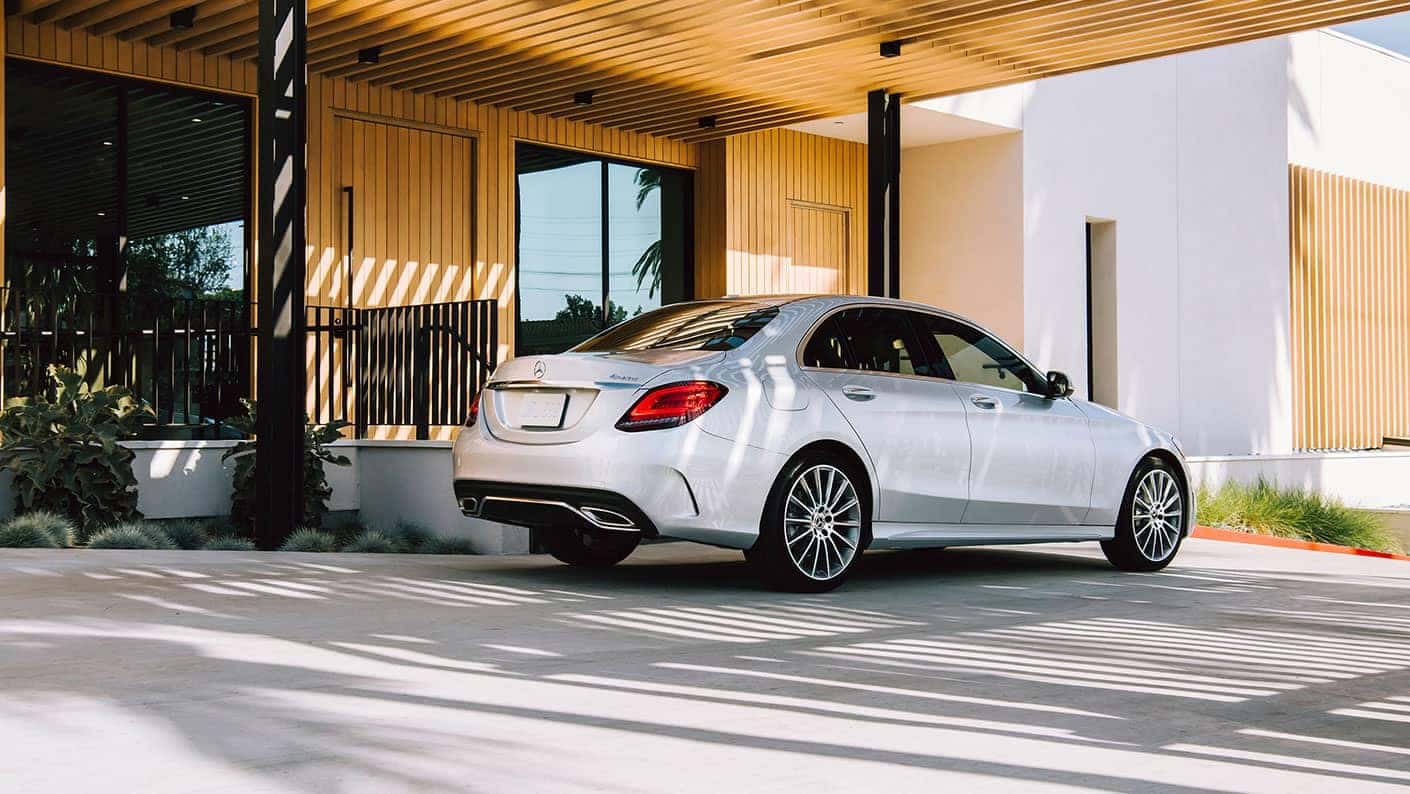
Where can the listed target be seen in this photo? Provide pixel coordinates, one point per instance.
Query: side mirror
(1058, 385)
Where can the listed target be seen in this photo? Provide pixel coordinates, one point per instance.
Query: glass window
(599, 242)
(827, 347)
(712, 325)
(879, 340)
(969, 355)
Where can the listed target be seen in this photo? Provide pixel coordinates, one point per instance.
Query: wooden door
(406, 198)
(818, 246)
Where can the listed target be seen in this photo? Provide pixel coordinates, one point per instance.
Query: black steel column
(893, 196)
(876, 193)
(280, 310)
(883, 194)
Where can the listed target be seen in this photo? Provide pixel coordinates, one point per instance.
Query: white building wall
(1349, 108)
(1188, 156)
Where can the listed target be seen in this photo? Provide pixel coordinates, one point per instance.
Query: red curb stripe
(1234, 536)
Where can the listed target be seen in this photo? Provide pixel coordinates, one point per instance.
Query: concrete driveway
(1240, 669)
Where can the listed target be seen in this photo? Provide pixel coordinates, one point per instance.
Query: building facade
(1151, 228)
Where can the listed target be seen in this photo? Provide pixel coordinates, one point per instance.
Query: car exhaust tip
(607, 518)
(470, 506)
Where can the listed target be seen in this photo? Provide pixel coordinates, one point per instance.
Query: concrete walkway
(1240, 669)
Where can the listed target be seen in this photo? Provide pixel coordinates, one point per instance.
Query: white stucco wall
(1187, 155)
(962, 222)
(1349, 108)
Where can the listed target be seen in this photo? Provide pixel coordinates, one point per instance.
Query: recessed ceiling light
(107, 143)
(891, 49)
(185, 19)
(102, 214)
(185, 198)
(370, 54)
(196, 120)
(708, 122)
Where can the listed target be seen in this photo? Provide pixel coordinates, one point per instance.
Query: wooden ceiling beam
(204, 12)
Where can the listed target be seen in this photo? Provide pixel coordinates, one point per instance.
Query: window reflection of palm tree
(648, 265)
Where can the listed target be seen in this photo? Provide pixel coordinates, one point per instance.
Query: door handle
(861, 393)
(985, 402)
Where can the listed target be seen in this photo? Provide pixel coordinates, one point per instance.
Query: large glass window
(599, 241)
(970, 355)
(122, 186)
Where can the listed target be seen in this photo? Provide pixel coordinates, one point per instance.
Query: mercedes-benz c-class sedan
(804, 430)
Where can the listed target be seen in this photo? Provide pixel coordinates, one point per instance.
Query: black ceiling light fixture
(370, 54)
(582, 98)
(891, 49)
(185, 19)
(708, 122)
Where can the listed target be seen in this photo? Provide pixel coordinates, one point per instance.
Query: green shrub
(316, 454)
(373, 542)
(186, 534)
(310, 539)
(448, 545)
(133, 535)
(38, 530)
(229, 543)
(1265, 509)
(409, 537)
(64, 452)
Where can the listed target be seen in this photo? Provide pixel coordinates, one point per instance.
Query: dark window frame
(605, 160)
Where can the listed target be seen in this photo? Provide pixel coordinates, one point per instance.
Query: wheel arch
(1182, 476)
(834, 448)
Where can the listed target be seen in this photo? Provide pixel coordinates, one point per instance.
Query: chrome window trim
(900, 306)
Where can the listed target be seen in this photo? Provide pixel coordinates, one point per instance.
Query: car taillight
(474, 411)
(671, 405)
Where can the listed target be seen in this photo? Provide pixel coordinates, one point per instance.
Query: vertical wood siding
(1350, 314)
(794, 215)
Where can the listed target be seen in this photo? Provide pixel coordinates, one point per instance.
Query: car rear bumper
(682, 483)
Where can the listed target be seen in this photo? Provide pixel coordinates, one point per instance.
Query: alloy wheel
(822, 522)
(1158, 515)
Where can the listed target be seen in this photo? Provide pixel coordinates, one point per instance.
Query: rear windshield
(717, 325)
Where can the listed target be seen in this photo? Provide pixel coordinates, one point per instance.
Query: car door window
(970, 355)
(827, 347)
(881, 340)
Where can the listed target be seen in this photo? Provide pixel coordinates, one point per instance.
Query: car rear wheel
(589, 549)
(1151, 524)
(814, 527)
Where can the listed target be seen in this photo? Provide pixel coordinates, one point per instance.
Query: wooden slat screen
(1350, 318)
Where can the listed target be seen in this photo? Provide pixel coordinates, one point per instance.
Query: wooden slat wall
(788, 196)
(1350, 311)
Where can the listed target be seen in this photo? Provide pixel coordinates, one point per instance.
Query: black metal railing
(192, 359)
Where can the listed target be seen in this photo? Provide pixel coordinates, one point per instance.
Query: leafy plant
(38, 530)
(309, 539)
(230, 543)
(1265, 509)
(448, 545)
(186, 534)
(316, 454)
(135, 535)
(372, 542)
(409, 537)
(64, 452)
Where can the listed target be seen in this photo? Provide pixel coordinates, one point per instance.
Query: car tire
(1150, 526)
(589, 549)
(815, 526)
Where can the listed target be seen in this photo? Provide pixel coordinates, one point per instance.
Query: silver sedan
(806, 429)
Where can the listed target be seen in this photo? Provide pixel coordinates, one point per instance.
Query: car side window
(827, 348)
(972, 356)
(881, 340)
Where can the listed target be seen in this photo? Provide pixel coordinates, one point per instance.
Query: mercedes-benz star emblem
(539, 370)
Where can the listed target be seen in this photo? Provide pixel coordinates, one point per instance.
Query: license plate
(542, 410)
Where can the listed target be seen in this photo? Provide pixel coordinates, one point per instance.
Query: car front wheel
(814, 527)
(1151, 524)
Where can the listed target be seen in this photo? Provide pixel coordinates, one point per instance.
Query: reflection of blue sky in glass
(631, 231)
(560, 238)
(235, 273)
